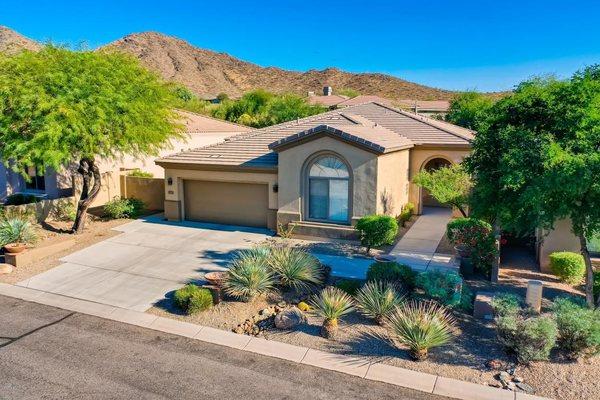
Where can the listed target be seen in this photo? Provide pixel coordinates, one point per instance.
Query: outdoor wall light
(275, 188)
(169, 181)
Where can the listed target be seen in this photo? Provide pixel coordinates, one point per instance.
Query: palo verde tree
(538, 160)
(449, 185)
(60, 108)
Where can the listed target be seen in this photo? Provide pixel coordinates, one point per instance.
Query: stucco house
(200, 130)
(320, 173)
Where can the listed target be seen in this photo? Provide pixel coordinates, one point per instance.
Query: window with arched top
(328, 189)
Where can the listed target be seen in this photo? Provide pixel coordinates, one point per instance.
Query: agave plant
(295, 268)
(421, 326)
(248, 276)
(331, 304)
(378, 300)
(17, 230)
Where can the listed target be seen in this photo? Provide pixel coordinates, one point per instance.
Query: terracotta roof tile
(370, 122)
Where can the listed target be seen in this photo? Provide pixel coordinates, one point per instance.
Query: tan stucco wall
(363, 183)
(174, 193)
(392, 182)
(150, 190)
(561, 238)
(419, 156)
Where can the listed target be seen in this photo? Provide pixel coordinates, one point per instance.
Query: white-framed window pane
(329, 167)
(317, 202)
(338, 200)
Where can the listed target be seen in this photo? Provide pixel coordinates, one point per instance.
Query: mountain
(12, 42)
(207, 72)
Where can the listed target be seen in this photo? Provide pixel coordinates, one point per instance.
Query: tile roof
(327, 101)
(370, 122)
(361, 99)
(425, 105)
(374, 138)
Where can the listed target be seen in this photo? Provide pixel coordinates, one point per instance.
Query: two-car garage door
(244, 204)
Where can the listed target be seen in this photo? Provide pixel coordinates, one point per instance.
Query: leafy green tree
(60, 107)
(260, 108)
(469, 110)
(538, 159)
(449, 185)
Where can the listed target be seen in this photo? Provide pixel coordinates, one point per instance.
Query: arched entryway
(433, 164)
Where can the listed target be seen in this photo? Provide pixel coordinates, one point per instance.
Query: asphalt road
(49, 353)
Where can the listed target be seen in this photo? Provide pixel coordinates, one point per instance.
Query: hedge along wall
(42, 209)
(150, 190)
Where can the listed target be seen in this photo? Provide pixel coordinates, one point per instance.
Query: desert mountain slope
(11, 41)
(207, 73)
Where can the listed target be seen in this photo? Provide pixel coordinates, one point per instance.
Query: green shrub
(421, 326)
(349, 286)
(507, 304)
(124, 208)
(331, 304)
(18, 199)
(392, 272)
(65, 211)
(443, 287)
(478, 237)
(568, 267)
(530, 339)
(295, 268)
(407, 211)
(376, 230)
(249, 275)
(597, 283)
(578, 327)
(192, 298)
(377, 300)
(16, 230)
(138, 173)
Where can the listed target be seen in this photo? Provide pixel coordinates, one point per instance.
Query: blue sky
(482, 45)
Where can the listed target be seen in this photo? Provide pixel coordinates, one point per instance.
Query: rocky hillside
(207, 72)
(11, 41)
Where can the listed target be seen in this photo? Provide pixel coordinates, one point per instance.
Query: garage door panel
(244, 204)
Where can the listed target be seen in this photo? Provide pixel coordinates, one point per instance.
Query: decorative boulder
(289, 319)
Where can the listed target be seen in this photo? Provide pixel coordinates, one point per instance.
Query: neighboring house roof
(327, 101)
(361, 99)
(197, 123)
(425, 105)
(378, 124)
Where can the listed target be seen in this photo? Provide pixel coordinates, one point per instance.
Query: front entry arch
(433, 164)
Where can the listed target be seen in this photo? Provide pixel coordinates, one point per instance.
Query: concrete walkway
(417, 248)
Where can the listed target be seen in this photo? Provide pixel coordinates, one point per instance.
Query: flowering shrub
(477, 236)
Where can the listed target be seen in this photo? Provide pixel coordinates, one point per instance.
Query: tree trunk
(89, 172)
(589, 271)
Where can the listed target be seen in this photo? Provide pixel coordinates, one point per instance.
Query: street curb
(351, 365)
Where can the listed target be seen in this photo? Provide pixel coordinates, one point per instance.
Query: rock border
(352, 365)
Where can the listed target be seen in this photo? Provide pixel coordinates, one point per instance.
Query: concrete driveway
(148, 259)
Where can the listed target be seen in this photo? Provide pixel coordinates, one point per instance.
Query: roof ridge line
(428, 121)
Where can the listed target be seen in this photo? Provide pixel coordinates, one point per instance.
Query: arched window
(328, 189)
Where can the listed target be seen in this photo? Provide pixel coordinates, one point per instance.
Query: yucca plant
(295, 268)
(17, 230)
(249, 276)
(421, 326)
(331, 304)
(377, 300)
